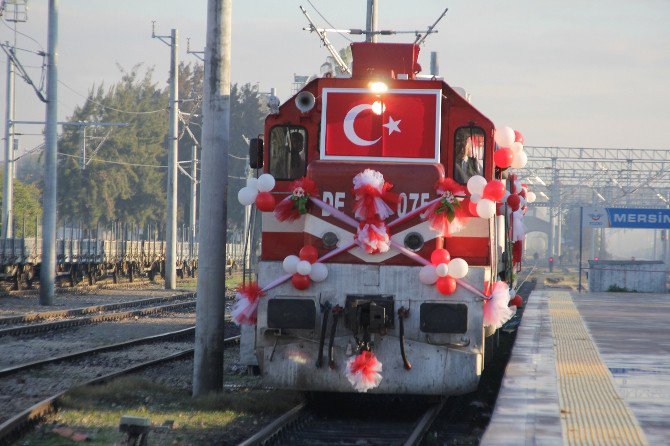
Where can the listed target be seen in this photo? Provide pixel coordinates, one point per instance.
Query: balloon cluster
(483, 195)
(304, 267)
(257, 191)
(443, 271)
(518, 195)
(510, 151)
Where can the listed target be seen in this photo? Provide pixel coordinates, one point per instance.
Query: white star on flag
(393, 125)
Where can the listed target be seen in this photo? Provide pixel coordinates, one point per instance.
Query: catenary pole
(371, 22)
(194, 195)
(48, 267)
(210, 308)
(8, 189)
(173, 158)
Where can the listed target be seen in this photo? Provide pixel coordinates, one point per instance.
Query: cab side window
(468, 153)
(288, 152)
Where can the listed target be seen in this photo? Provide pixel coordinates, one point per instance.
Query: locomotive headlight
(329, 239)
(378, 107)
(413, 241)
(378, 87)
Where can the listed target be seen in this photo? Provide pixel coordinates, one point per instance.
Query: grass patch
(213, 419)
(234, 280)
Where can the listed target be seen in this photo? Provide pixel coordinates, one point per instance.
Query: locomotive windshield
(288, 153)
(468, 153)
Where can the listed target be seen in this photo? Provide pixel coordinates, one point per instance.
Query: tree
(247, 116)
(124, 180)
(27, 207)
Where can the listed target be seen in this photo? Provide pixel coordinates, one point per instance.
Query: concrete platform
(587, 368)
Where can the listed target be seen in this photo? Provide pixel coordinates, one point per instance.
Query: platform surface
(587, 368)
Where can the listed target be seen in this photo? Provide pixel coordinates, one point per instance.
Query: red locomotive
(361, 166)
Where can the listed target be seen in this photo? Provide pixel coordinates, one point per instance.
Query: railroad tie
(592, 411)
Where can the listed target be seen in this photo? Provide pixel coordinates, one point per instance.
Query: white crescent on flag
(349, 131)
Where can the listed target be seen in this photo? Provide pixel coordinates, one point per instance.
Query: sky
(565, 73)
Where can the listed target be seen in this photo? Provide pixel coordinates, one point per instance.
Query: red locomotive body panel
(400, 148)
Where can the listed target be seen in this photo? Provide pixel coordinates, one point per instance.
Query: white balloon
(520, 160)
(475, 198)
(531, 197)
(319, 272)
(506, 196)
(476, 184)
(442, 270)
(247, 196)
(486, 208)
(517, 187)
(522, 202)
(516, 147)
(290, 264)
(303, 267)
(252, 183)
(266, 182)
(504, 136)
(428, 275)
(458, 268)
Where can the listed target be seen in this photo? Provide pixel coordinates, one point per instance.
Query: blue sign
(638, 218)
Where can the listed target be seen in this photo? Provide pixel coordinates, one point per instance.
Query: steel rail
(285, 421)
(276, 426)
(49, 326)
(147, 339)
(32, 317)
(424, 423)
(12, 427)
(103, 284)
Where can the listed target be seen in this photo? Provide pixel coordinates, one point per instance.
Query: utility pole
(210, 307)
(173, 158)
(371, 22)
(194, 194)
(16, 11)
(48, 267)
(8, 192)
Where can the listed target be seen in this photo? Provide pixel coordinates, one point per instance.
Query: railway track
(103, 284)
(30, 323)
(43, 382)
(340, 421)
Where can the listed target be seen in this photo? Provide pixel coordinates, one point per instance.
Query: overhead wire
(107, 106)
(4, 22)
(326, 20)
(122, 163)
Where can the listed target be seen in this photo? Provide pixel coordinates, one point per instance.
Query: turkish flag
(396, 124)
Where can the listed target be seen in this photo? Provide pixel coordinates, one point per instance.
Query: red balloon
(300, 282)
(518, 137)
(446, 285)
(516, 301)
(514, 201)
(472, 207)
(503, 157)
(440, 256)
(494, 190)
(265, 202)
(309, 253)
